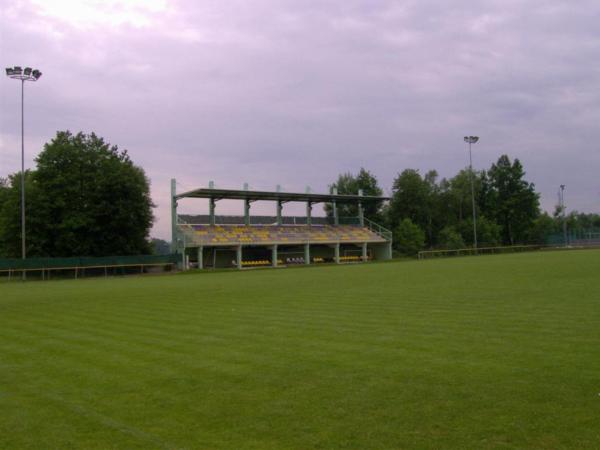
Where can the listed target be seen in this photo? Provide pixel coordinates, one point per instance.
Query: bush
(488, 232)
(451, 239)
(409, 238)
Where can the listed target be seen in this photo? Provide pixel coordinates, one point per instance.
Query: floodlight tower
(472, 140)
(561, 199)
(27, 74)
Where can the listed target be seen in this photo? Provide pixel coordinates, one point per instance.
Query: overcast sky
(295, 92)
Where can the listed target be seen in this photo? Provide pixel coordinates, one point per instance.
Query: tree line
(86, 197)
(428, 212)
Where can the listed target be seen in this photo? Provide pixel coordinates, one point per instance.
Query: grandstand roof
(242, 194)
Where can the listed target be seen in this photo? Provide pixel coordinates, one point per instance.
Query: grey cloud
(296, 92)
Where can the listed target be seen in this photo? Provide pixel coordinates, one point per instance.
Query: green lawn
(466, 353)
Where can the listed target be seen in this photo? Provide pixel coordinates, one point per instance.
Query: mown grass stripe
(483, 352)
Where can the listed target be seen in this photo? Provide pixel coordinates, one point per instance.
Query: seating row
(265, 234)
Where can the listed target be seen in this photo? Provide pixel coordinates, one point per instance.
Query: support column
(200, 257)
(279, 208)
(274, 255)
(211, 205)
(173, 216)
(361, 214)
(306, 253)
(246, 207)
(365, 255)
(239, 257)
(336, 219)
(211, 211)
(279, 212)
(308, 208)
(337, 253)
(246, 212)
(382, 251)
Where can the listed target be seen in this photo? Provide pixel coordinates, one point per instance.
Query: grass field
(470, 353)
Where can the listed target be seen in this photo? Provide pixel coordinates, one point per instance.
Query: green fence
(15, 264)
(584, 237)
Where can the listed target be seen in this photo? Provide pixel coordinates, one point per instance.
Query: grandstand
(213, 241)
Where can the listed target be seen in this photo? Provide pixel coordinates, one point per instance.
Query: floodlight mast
(29, 74)
(472, 140)
(561, 198)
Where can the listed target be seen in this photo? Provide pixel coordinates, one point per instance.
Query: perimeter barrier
(82, 266)
(478, 251)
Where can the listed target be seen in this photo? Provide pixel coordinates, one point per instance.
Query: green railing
(265, 220)
(350, 220)
(376, 228)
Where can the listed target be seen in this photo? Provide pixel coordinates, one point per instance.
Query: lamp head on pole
(18, 73)
(471, 139)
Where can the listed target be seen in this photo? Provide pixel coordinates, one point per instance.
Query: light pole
(472, 140)
(561, 196)
(28, 74)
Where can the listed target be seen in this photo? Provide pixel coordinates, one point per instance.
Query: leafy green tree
(579, 222)
(451, 239)
(160, 247)
(416, 198)
(349, 184)
(543, 227)
(409, 238)
(488, 232)
(514, 200)
(10, 215)
(457, 205)
(457, 192)
(408, 197)
(85, 198)
(4, 195)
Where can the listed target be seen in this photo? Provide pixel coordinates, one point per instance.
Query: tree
(457, 192)
(4, 195)
(451, 239)
(348, 184)
(514, 200)
(488, 232)
(85, 198)
(580, 222)
(416, 198)
(409, 238)
(10, 215)
(543, 227)
(160, 246)
(456, 208)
